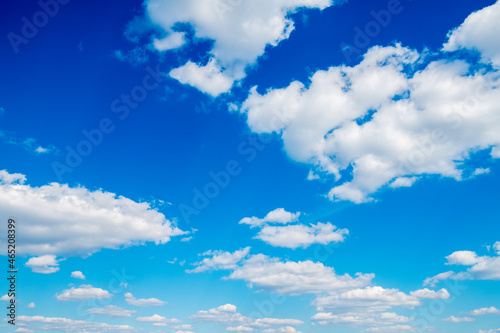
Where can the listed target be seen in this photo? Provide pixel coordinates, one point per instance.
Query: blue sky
(267, 166)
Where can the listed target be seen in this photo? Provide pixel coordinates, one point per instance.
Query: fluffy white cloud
(227, 315)
(239, 329)
(279, 215)
(431, 294)
(130, 299)
(70, 325)
(284, 329)
(490, 331)
(241, 30)
(467, 258)
(391, 329)
(23, 330)
(391, 118)
(5, 298)
(479, 32)
(220, 260)
(295, 277)
(31, 305)
(359, 319)
(112, 311)
(484, 311)
(58, 219)
(453, 319)
(83, 293)
(370, 298)
(432, 281)
(157, 319)
(209, 78)
(294, 236)
(46, 264)
(78, 275)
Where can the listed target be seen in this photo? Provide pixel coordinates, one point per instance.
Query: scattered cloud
(112, 311)
(240, 31)
(278, 216)
(157, 319)
(70, 325)
(453, 319)
(218, 260)
(144, 302)
(82, 294)
(484, 311)
(59, 219)
(358, 319)
(46, 264)
(77, 275)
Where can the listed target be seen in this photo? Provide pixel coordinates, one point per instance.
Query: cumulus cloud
(431, 294)
(484, 311)
(358, 319)
(112, 311)
(62, 220)
(82, 294)
(390, 329)
(388, 121)
(295, 278)
(294, 236)
(481, 267)
(144, 302)
(70, 325)
(278, 216)
(31, 305)
(157, 319)
(217, 260)
(240, 31)
(478, 32)
(227, 315)
(78, 275)
(370, 298)
(208, 78)
(46, 264)
(453, 319)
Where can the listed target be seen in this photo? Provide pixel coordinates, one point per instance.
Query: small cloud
(46, 264)
(130, 299)
(77, 275)
(186, 239)
(31, 305)
(481, 171)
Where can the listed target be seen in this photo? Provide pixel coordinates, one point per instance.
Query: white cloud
(58, 219)
(241, 30)
(391, 329)
(83, 293)
(5, 298)
(278, 215)
(157, 319)
(239, 329)
(294, 236)
(227, 315)
(31, 305)
(390, 118)
(482, 267)
(77, 275)
(291, 277)
(46, 264)
(432, 281)
(481, 171)
(23, 330)
(11, 178)
(70, 325)
(130, 299)
(220, 260)
(453, 319)
(431, 294)
(484, 311)
(209, 79)
(370, 298)
(359, 319)
(467, 258)
(490, 331)
(284, 329)
(113, 311)
(478, 32)
(184, 327)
